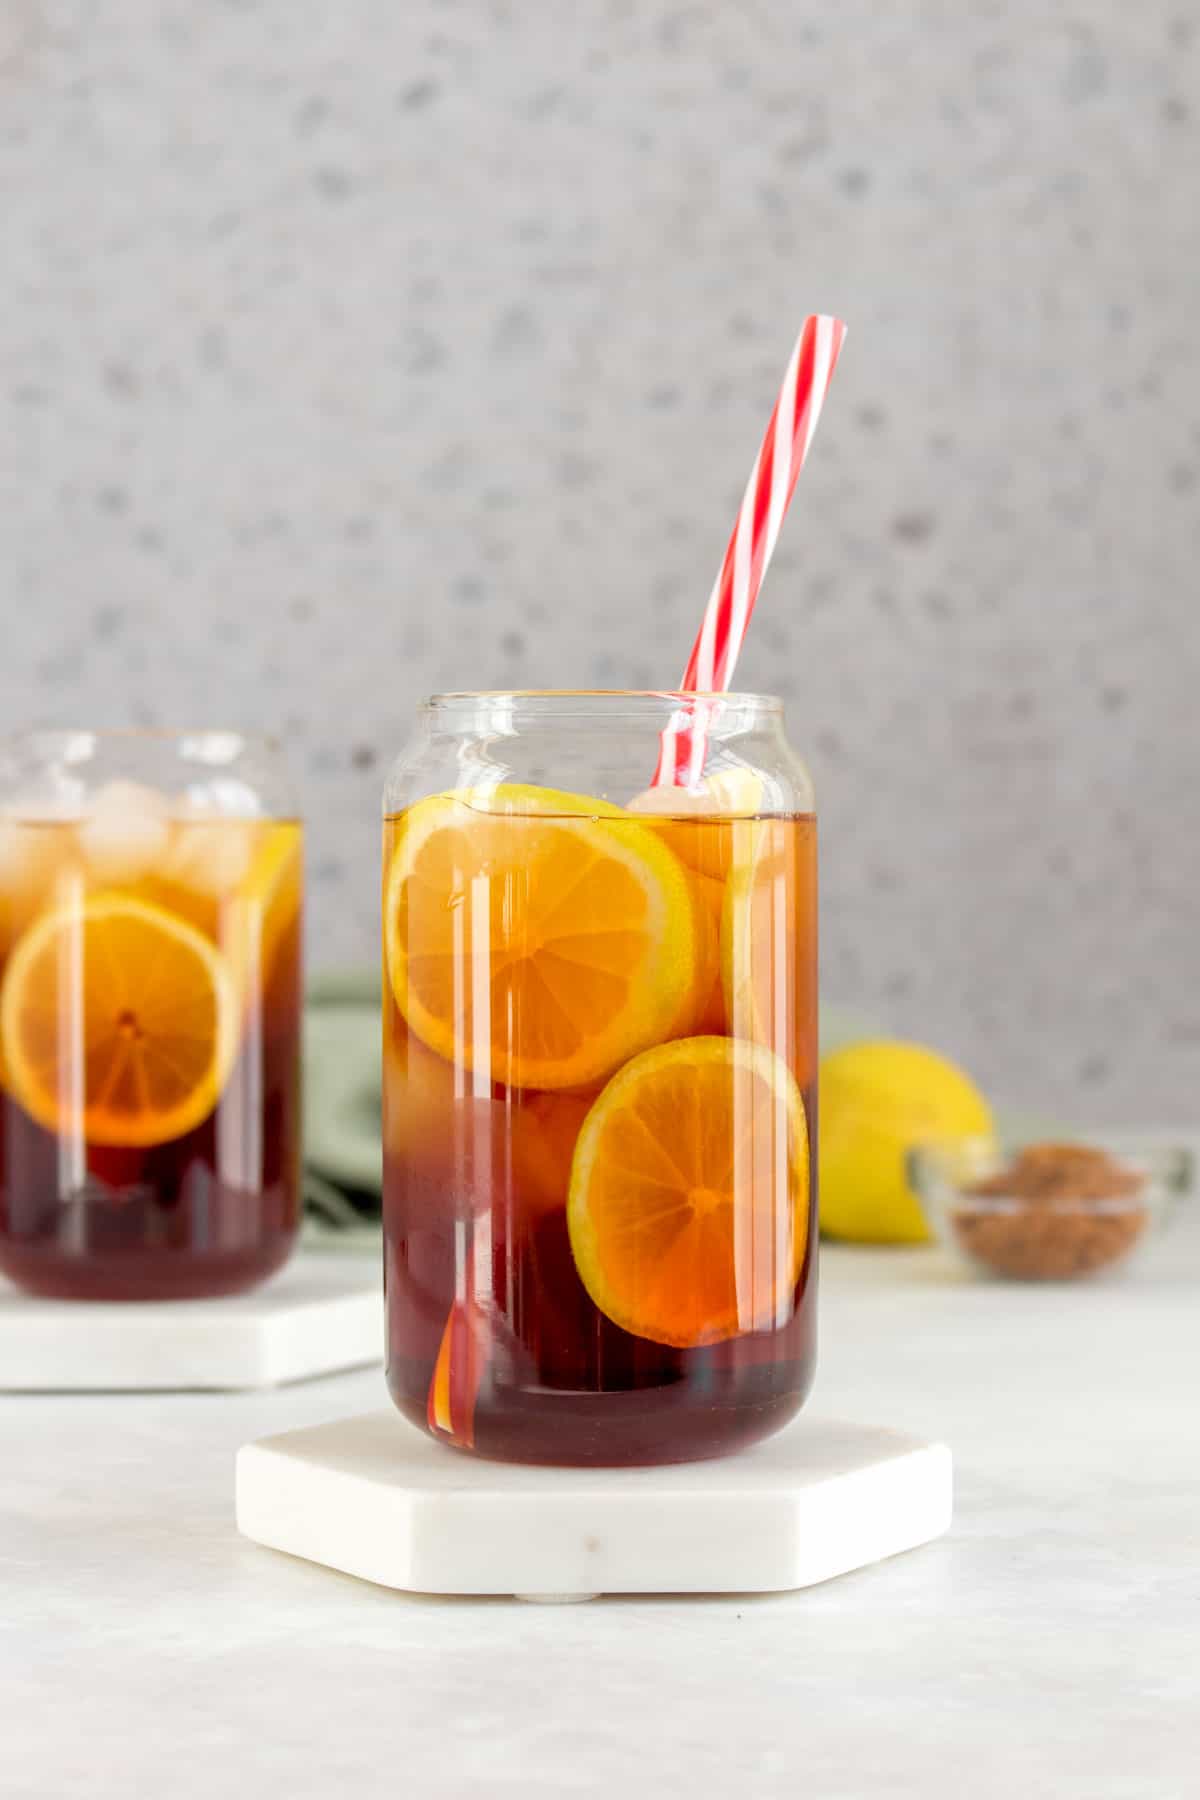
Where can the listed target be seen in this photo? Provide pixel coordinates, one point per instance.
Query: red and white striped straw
(462, 1353)
(770, 487)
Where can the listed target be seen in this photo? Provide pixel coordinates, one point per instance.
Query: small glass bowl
(1059, 1238)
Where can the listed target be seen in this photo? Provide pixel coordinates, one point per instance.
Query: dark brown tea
(150, 997)
(599, 1126)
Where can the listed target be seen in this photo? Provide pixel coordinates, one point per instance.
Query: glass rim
(674, 696)
(57, 737)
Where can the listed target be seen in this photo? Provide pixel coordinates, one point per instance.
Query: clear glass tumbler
(150, 997)
(600, 1042)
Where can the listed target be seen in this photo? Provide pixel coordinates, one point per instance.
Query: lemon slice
(265, 906)
(689, 1203)
(769, 938)
(118, 1022)
(542, 941)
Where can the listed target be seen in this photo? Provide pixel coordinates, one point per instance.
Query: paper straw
(772, 482)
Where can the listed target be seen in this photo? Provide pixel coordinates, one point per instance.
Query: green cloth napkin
(343, 1171)
(343, 1155)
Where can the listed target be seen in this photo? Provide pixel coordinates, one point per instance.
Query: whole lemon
(877, 1101)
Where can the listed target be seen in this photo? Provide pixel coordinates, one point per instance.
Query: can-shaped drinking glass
(150, 993)
(599, 1084)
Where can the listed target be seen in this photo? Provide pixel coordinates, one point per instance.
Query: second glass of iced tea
(150, 994)
(599, 1079)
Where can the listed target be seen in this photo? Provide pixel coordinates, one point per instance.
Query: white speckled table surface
(1047, 1646)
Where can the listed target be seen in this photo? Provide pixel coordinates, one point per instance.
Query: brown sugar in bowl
(1056, 1211)
(1048, 1211)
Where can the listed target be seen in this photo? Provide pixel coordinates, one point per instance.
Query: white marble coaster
(318, 1315)
(373, 1497)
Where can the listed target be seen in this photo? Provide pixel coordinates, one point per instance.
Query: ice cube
(224, 797)
(38, 866)
(674, 802)
(59, 798)
(725, 793)
(211, 856)
(12, 851)
(126, 832)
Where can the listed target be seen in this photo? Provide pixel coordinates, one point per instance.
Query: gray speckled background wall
(349, 352)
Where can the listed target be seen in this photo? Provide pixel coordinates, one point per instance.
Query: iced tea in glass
(599, 1082)
(150, 992)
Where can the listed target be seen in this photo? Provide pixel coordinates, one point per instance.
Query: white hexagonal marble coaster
(372, 1497)
(319, 1315)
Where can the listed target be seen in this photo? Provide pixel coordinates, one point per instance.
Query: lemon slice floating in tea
(263, 911)
(538, 937)
(689, 1202)
(118, 1022)
(768, 934)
